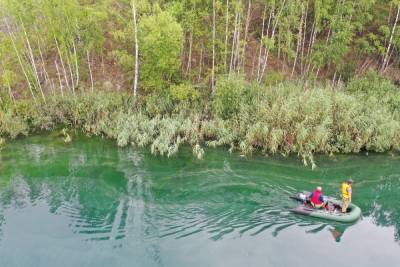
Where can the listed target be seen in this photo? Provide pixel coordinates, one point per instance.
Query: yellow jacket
(346, 190)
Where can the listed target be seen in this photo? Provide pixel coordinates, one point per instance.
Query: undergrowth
(286, 118)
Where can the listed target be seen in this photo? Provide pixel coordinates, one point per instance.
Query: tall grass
(286, 118)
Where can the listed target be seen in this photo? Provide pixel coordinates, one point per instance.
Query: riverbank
(286, 118)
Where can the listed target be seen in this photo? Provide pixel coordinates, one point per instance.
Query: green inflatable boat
(332, 212)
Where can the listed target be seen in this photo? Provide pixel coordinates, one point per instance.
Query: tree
(135, 83)
(160, 36)
(386, 58)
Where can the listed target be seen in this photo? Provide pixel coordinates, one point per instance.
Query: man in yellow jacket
(346, 194)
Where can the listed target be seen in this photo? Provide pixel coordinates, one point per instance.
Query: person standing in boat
(317, 199)
(346, 194)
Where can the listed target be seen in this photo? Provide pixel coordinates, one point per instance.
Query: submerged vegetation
(286, 118)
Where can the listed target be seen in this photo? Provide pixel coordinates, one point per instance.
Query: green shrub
(372, 84)
(158, 104)
(184, 92)
(160, 38)
(273, 77)
(231, 94)
(346, 70)
(376, 92)
(124, 60)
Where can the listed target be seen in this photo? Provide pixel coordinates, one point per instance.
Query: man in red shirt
(317, 199)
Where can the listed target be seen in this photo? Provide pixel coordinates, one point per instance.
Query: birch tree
(390, 42)
(136, 44)
(213, 47)
(227, 14)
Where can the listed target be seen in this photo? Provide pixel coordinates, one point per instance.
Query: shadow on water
(315, 226)
(107, 193)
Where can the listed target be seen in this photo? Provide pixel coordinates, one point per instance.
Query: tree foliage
(62, 46)
(161, 39)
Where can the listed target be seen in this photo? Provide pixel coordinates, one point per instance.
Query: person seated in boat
(346, 194)
(317, 199)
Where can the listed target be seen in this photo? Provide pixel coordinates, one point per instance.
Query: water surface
(90, 203)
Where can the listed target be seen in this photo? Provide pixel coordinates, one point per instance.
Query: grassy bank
(286, 118)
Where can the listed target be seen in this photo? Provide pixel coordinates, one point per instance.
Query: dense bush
(286, 118)
(375, 92)
(231, 93)
(161, 42)
(371, 83)
(184, 92)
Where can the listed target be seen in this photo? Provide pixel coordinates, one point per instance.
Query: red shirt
(316, 197)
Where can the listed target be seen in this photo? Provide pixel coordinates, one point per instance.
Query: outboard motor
(303, 197)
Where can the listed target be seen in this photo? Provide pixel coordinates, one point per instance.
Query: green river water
(90, 203)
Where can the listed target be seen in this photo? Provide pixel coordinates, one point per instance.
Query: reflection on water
(127, 197)
(337, 232)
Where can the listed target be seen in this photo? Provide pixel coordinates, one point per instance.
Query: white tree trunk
(333, 79)
(310, 45)
(33, 64)
(237, 56)
(189, 62)
(135, 83)
(263, 50)
(226, 34)
(262, 38)
(90, 70)
(213, 50)
(20, 60)
(246, 31)
(253, 64)
(11, 94)
(59, 78)
(272, 37)
(304, 40)
(71, 75)
(386, 57)
(233, 44)
(62, 65)
(300, 35)
(76, 64)
(201, 63)
(46, 74)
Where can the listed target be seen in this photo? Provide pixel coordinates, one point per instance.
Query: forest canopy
(56, 47)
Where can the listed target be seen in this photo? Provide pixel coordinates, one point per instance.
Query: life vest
(316, 197)
(346, 188)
